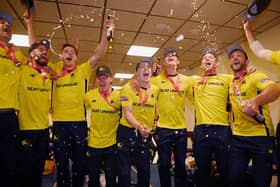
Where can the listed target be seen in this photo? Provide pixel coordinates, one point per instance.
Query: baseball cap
(170, 50)
(44, 42)
(103, 70)
(208, 50)
(234, 47)
(6, 16)
(144, 60)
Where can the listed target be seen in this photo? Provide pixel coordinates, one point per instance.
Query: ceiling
(154, 23)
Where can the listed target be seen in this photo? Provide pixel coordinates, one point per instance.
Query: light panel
(123, 75)
(20, 40)
(136, 50)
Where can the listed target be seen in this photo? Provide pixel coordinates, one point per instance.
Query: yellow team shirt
(143, 114)
(9, 79)
(69, 92)
(275, 57)
(211, 99)
(104, 118)
(34, 99)
(244, 125)
(171, 104)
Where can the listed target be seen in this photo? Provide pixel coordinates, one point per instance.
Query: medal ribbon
(176, 85)
(235, 89)
(39, 68)
(105, 97)
(66, 72)
(10, 54)
(144, 100)
(205, 76)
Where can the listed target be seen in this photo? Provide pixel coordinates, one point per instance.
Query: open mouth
(7, 30)
(170, 60)
(236, 63)
(69, 59)
(208, 64)
(146, 74)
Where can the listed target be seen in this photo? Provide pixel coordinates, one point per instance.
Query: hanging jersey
(104, 118)
(69, 92)
(144, 112)
(9, 79)
(249, 86)
(211, 99)
(34, 99)
(275, 57)
(171, 103)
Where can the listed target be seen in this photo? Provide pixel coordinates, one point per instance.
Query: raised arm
(254, 44)
(28, 18)
(249, 34)
(102, 46)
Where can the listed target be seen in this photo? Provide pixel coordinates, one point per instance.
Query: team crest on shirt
(32, 75)
(152, 96)
(94, 100)
(162, 81)
(101, 69)
(112, 101)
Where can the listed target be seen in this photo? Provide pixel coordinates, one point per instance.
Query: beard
(41, 61)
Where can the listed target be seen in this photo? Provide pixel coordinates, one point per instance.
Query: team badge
(101, 69)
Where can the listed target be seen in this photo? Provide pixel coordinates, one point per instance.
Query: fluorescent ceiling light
(116, 87)
(123, 75)
(20, 40)
(143, 51)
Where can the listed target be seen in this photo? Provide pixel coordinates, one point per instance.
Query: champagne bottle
(109, 31)
(259, 118)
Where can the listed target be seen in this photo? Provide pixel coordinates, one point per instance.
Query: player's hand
(246, 24)
(144, 131)
(249, 108)
(27, 16)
